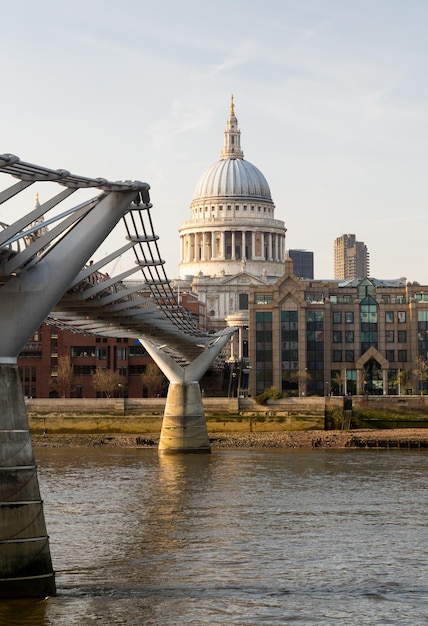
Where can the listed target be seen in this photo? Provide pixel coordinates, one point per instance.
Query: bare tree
(301, 377)
(64, 380)
(107, 382)
(421, 371)
(153, 380)
(339, 380)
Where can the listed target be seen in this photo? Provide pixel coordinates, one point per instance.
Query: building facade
(351, 258)
(319, 337)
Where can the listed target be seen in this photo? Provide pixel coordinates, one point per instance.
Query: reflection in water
(236, 537)
(23, 613)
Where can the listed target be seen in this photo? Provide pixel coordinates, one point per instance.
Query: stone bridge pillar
(184, 427)
(25, 560)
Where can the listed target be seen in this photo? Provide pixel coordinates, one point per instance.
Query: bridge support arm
(184, 427)
(27, 298)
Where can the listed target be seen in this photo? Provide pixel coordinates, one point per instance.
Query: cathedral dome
(232, 229)
(233, 177)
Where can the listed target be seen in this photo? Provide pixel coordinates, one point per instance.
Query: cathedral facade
(232, 240)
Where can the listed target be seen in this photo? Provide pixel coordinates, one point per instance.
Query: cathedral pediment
(244, 278)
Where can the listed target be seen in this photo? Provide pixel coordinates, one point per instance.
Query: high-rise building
(351, 258)
(303, 262)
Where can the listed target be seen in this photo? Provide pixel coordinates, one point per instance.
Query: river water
(236, 537)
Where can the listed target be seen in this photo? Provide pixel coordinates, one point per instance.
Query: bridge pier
(184, 427)
(25, 560)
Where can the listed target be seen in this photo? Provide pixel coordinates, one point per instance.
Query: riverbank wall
(140, 415)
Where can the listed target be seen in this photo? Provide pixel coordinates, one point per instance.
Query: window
(349, 336)
(314, 316)
(82, 351)
(337, 317)
(263, 298)
(314, 297)
(349, 356)
(121, 354)
(137, 350)
(390, 356)
(389, 317)
(101, 354)
(401, 316)
(337, 356)
(368, 317)
(349, 317)
(402, 336)
(402, 356)
(243, 301)
(337, 336)
(389, 336)
(264, 373)
(84, 370)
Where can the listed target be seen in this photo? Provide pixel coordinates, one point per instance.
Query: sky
(331, 98)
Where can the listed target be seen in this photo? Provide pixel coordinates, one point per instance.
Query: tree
(402, 380)
(153, 380)
(64, 380)
(339, 380)
(107, 381)
(421, 371)
(301, 377)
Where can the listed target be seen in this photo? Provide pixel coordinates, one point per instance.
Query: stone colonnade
(220, 245)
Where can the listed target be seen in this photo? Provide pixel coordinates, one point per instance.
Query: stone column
(204, 244)
(233, 257)
(243, 254)
(213, 250)
(253, 246)
(223, 245)
(25, 560)
(360, 380)
(385, 381)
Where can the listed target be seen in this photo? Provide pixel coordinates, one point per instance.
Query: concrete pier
(25, 560)
(184, 428)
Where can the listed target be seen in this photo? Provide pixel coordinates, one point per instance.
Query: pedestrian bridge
(46, 274)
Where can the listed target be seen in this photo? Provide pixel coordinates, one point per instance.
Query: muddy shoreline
(398, 438)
